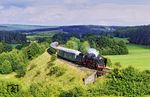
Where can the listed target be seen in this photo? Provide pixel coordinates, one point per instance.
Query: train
(90, 60)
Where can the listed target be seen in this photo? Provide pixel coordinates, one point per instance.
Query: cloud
(66, 12)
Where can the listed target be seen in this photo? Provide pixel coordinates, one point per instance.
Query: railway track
(87, 70)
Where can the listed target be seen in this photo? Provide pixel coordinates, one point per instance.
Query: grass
(138, 57)
(42, 35)
(72, 77)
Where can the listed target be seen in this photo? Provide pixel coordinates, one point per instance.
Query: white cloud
(60, 14)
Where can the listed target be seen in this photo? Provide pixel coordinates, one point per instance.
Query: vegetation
(43, 75)
(64, 80)
(138, 57)
(137, 35)
(107, 46)
(12, 37)
(75, 43)
(128, 82)
(17, 61)
(5, 47)
(62, 38)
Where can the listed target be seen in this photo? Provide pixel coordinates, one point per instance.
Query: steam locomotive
(91, 59)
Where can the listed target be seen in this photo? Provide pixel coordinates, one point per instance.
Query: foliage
(5, 68)
(53, 57)
(62, 38)
(109, 63)
(6, 91)
(84, 46)
(17, 60)
(12, 37)
(73, 43)
(137, 35)
(21, 70)
(5, 47)
(1, 47)
(34, 49)
(128, 82)
(117, 64)
(75, 92)
(57, 71)
(107, 45)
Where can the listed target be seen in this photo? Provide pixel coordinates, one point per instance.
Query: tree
(21, 70)
(1, 47)
(6, 67)
(73, 43)
(84, 46)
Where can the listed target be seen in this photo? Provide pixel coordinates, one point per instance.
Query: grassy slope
(138, 57)
(71, 78)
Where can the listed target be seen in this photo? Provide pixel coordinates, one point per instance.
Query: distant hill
(18, 27)
(73, 28)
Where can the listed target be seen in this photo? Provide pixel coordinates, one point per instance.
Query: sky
(75, 12)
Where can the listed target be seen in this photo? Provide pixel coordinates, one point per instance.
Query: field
(138, 57)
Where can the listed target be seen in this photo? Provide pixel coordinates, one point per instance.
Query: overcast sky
(73, 12)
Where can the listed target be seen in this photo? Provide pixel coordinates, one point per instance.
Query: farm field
(138, 57)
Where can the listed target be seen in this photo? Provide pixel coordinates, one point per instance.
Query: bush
(57, 71)
(109, 62)
(53, 57)
(21, 70)
(33, 50)
(75, 92)
(6, 91)
(6, 67)
(128, 82)
(117, 64)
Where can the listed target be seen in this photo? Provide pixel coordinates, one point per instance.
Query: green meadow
(138, 57)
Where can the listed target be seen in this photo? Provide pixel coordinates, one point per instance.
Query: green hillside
(138, 57)
(37, 77)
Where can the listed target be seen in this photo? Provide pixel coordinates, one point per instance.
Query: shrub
(75, 92)
(109, 62)
(53, 57)
(6, 67)
(128, 82)
(57, 71)
(21, 70)
(117, 64)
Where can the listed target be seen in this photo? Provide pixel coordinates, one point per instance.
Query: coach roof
(69, 50)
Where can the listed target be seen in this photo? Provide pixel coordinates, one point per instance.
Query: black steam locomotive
(91, 59)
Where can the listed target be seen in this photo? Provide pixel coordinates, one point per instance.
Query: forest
(12, 37)
(24, 61)
(137, 35)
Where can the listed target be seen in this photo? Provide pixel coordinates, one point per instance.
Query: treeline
(137, 35)
(17, 60)
(107, 45)
(4, 47)
(75, 43)
(64, 37)
(12, 37)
